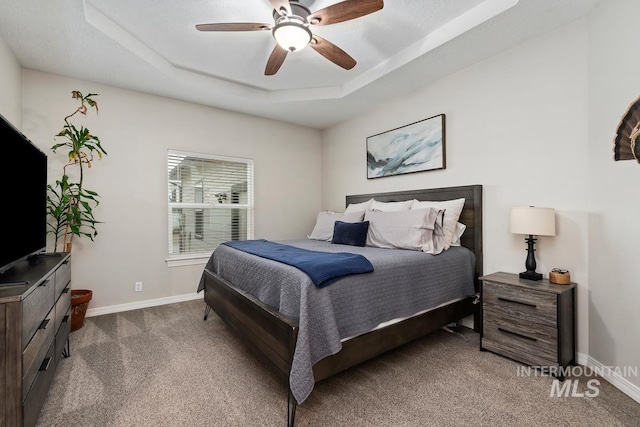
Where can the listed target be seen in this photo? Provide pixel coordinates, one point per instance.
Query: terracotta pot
(79, 303)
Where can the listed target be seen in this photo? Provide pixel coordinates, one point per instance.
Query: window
(199, 194)
(210, 202)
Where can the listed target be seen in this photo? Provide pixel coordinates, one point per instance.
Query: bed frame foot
(291, 409)
(207, 309)
(66, 351)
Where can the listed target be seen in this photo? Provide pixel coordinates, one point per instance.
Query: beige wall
(515, 123)
(137, 130)
(10, 86)
(614, 230)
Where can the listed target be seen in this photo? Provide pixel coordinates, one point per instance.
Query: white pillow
(452, 211)
(418, 230)
(325, 221)
(457, 234)
(359, 207)
(391, 206)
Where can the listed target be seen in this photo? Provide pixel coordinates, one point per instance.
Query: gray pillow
(453, 209)
(417, 230)
(323, 230)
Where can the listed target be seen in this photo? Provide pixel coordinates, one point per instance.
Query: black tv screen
(23, 214)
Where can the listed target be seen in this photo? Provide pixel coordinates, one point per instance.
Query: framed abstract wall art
(416, 147)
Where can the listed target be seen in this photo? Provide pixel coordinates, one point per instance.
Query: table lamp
(532, 221)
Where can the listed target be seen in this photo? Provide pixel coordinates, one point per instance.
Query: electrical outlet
(138, 286)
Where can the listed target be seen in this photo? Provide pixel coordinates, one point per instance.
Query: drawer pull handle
(44, 324)
(518, 335)
(45, 364)
(44, 283)
(66, 262)
(65, 319)
(65, 291)
(528, 304)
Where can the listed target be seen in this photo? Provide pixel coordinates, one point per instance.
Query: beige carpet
(165, 366)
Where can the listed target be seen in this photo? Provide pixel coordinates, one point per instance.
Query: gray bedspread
(402, 284)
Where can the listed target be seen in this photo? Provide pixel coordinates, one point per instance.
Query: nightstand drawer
(520, 303)
(535, 346)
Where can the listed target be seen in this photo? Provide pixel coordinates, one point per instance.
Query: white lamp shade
(292, 36)
(533, 220)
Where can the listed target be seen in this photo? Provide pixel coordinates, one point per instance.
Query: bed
(285, 336)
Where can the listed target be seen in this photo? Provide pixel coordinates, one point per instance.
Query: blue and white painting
(412, 148)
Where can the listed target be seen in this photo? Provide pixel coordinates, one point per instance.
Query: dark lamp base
(531, 275)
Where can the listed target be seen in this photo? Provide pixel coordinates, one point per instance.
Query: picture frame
(416, 147)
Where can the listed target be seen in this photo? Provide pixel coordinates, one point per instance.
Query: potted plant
(69, 204)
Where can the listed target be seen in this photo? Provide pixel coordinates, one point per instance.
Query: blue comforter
(323, 268)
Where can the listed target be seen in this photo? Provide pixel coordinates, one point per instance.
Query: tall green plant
(69, 204)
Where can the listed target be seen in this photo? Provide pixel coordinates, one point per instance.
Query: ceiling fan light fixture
(291, 29)
(292, 35)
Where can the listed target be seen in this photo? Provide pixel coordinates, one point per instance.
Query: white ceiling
(152, 46)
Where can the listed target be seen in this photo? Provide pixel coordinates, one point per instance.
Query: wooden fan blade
(344, 11)
(278, 5)
(332, 52)
(275, 60)
(234, 26)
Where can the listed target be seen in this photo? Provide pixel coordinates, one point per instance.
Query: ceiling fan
(291, 29)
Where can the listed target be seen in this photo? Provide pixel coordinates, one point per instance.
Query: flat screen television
(23, 214)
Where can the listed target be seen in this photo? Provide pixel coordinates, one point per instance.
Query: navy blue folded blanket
(323, 268)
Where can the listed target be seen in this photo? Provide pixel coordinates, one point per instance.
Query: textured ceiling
(152, 46)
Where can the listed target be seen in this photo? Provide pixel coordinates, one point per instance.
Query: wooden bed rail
(272, 335)
(269, 333)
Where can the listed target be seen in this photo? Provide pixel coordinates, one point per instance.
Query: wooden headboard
(471, 214)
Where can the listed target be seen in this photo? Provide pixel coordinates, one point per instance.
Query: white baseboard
(612, 376)
(141, 304)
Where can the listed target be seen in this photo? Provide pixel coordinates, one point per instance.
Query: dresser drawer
(62, 335)
(534, 346)
(38, 393)
(63, 305)
(63, 277)
(29, 315)
(35, 308)
(34, 353)
(520, 303)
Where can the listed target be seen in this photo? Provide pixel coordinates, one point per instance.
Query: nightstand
(532, 322)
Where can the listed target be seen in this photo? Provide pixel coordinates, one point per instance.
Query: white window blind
(210, 202)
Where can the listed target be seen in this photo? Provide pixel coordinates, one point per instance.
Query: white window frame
(175, 260)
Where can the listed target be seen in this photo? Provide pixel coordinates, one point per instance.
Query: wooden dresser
(529, 321)
(34, 334)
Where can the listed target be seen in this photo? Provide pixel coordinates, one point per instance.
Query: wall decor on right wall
(626, 146)
(416, 147)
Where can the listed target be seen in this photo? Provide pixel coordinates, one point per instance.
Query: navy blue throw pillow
(350, 233)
